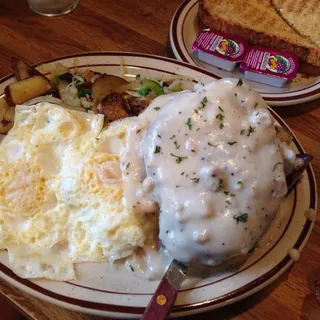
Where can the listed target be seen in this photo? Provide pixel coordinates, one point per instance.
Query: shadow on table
(8, 312)
(19, 9)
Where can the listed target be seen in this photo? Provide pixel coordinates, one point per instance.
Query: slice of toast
(259, 23)
(302, 15)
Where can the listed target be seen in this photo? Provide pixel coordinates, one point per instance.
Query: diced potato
(3, 107)
(24, 90)
(114, 107)
(130, 86)
(88, 75)
(9, 115)
(22, 70)
(5, 126)
(105, 85)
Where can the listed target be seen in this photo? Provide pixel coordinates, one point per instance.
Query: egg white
(61, 193)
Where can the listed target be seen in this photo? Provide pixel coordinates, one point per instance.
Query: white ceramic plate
(183, 32)
(120, 293)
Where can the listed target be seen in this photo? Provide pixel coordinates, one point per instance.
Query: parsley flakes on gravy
(243, 217)
(189, 123)
(220, 185)
(204, 101)
(157, 149)
(220, 116)
(251, 130)
(178, 158)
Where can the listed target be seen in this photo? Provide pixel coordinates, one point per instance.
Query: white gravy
(210, 160)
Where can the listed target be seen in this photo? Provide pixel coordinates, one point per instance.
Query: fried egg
(61, 193)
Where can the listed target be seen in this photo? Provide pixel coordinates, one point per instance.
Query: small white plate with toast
(183, 32)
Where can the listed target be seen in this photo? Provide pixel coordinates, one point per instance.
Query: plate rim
(118, 310)
(276, 99)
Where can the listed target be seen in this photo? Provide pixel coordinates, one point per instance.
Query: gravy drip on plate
(210, 160)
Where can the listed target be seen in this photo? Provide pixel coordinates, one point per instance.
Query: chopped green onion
(204, 102)
(251, 130)
(220, 116)
(178, 159)
(189, 123)
(241, 218)
(220, 185)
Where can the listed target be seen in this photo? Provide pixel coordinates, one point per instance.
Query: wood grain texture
(143, 26)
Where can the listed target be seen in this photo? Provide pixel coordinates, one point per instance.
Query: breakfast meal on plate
(196, 172)
(288, 26)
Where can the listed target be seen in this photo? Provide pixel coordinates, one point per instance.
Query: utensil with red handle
(163, 299)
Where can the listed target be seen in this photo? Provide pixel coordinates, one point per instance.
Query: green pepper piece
(152, 85)
(84, 92)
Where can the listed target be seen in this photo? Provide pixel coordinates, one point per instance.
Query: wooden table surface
(143, 26)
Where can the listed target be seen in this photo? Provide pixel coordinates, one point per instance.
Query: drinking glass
(53, 8)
